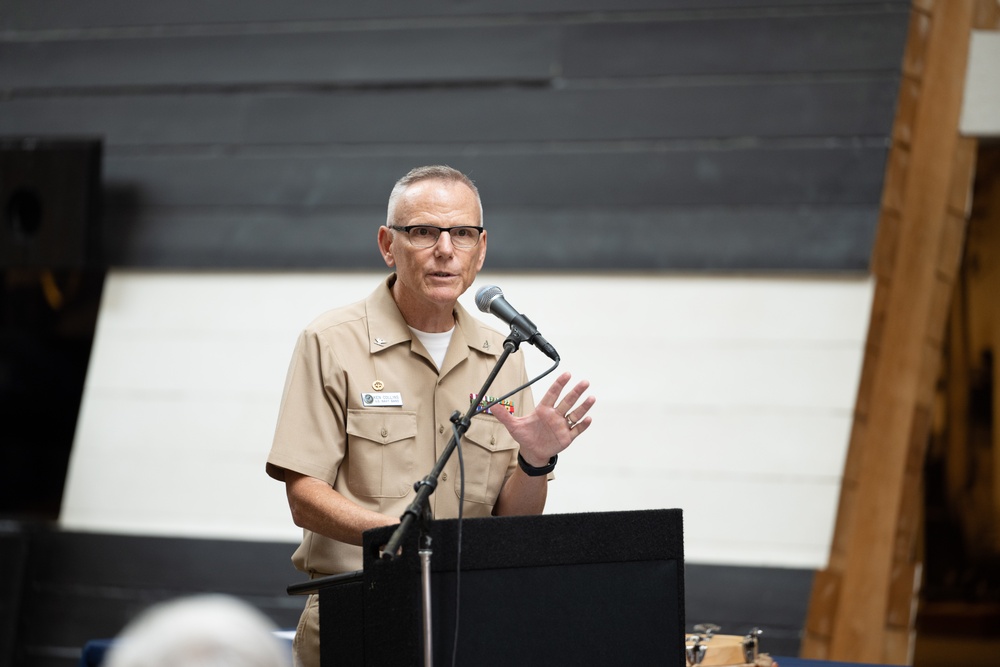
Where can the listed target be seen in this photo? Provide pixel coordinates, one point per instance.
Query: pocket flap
(488, 433)
(381, 426)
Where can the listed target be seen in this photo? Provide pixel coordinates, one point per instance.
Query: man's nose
(444, 242)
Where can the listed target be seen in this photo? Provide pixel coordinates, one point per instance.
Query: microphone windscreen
(485, 296)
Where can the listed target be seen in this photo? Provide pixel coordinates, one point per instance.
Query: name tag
(380, 399)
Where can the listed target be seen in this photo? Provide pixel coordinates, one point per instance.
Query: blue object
(94, 650)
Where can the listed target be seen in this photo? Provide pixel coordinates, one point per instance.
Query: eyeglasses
(426, 236)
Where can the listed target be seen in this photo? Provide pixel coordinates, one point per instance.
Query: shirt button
(444, 477)
(385, 432)
(441, 428)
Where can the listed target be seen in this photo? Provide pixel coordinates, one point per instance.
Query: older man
(372, 386)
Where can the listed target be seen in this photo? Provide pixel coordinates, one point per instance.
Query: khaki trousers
(305, 646)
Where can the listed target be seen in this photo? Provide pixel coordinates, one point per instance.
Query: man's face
(433, 278)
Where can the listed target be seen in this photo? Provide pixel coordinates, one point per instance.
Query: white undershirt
(436, 343)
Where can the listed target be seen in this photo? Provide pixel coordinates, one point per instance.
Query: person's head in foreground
(200, 631)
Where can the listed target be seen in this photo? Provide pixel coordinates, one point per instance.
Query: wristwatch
(532, 471)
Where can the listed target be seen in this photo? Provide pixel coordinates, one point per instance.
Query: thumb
(503, 416)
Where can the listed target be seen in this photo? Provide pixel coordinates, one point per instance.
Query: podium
(563, 589)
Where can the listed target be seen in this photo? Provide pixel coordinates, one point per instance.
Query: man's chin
(451, 282)
(445, 294)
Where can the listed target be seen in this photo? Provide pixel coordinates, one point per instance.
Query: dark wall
(604, 134)
(58, 590)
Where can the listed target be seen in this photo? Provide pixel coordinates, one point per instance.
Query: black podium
(564, 589)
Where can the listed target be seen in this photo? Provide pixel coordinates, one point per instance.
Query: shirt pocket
(487, 457)
(380, 452)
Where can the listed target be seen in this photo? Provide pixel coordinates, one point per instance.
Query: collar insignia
(380, 342)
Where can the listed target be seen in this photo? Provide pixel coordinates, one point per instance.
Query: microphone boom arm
(426, 486)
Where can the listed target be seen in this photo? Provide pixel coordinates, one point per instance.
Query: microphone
(490, 299)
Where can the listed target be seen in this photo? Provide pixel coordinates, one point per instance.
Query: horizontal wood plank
(530, 52)
(804, 108)
(489, 53)
(56, 14)
(803, 43)
(546, 177)
(836, 238)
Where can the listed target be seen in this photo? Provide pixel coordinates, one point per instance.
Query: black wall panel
(731, 134)
(75, 587)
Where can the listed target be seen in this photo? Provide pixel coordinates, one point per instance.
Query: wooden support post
(863, 604)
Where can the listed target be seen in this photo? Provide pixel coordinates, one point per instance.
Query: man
(372, 386)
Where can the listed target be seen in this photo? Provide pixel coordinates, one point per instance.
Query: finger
(581, 426)
(501, 414)
(570, 399)
(553, 393)
(577, 414)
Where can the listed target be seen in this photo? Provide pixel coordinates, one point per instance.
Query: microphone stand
(419, 509)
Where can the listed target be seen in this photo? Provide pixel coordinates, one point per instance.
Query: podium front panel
(582, 589)
(586, 614)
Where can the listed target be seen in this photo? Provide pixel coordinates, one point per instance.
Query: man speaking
(372, 386)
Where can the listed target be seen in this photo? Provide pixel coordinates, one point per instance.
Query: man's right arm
(316, 506)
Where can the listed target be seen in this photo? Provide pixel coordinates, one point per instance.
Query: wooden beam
(863, 604)
(899, 381)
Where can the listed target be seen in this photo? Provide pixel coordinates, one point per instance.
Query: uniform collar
(386, 326)
(477, 336)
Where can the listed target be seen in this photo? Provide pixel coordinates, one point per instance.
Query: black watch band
(532, 471)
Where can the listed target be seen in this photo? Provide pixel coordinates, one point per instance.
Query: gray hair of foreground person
(200, 631)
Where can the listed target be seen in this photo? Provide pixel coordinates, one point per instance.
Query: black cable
(521, 388)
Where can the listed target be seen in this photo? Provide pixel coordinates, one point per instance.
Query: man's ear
(385, 245)
(482, 251)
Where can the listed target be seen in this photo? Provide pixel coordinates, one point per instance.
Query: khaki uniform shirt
(366, 410)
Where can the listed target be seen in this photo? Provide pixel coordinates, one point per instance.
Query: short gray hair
(210, 630)
(430, 172)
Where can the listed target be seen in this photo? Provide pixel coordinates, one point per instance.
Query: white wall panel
(728, 397)
(981, 102)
